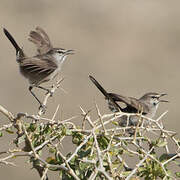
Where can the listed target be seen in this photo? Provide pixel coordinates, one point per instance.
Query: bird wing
(36, 69)
(132, 104)
(41, 40)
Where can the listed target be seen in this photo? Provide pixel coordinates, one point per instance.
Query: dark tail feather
(104, 92)
(99, 86)
(19, 51)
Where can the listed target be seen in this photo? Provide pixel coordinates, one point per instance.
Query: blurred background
(130, 47)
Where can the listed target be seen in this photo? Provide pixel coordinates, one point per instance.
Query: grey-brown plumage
(147, 104)
(45, 65)
(41, 40)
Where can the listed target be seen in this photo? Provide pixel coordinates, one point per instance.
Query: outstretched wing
(41, 40)
(132, 104)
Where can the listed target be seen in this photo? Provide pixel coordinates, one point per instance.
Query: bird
(42, 67)
(147, 104)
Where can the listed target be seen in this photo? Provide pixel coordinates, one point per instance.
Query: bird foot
(49, 92)
(42, 108)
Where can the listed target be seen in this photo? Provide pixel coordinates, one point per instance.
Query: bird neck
(152, 108)
(58, 58)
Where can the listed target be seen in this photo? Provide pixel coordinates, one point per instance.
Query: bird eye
(60, 52)
(154, 97)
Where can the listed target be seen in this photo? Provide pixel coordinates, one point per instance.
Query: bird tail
(104, 92)
(19, 51)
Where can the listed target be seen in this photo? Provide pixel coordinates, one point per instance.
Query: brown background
(131, 47)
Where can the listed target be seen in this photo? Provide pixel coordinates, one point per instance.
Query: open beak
(70, 51)
(163, 94)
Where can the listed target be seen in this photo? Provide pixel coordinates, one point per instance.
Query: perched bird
(42, 67)
(147, 104)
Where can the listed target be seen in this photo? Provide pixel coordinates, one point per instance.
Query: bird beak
(70, 51)
(163, 94)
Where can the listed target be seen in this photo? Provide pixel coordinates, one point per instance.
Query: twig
(70, 170)
(30, 142)
(44, 174)
(8, 114)
(100, 118)
(138, 165)
(55, 113)
(86, 117)
(79, 147)
(6, 126)
(49, 94)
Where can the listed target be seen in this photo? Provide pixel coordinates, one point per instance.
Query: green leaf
(51, 160)
(32, 127)
(1, 134)
(52, 150)
(178, 142)
(103, 141)
(177, 174)
(126, 173)
(47, 130)
(115, 123)
(10, 131)
(161, 143)
(83, 166)
(77, 138)
(153, 143)
(164, 157)
(68, 132)
(84, 153)
(63, 129)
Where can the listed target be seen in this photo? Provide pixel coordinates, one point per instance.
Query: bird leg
(41, 104)
(48, 91)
